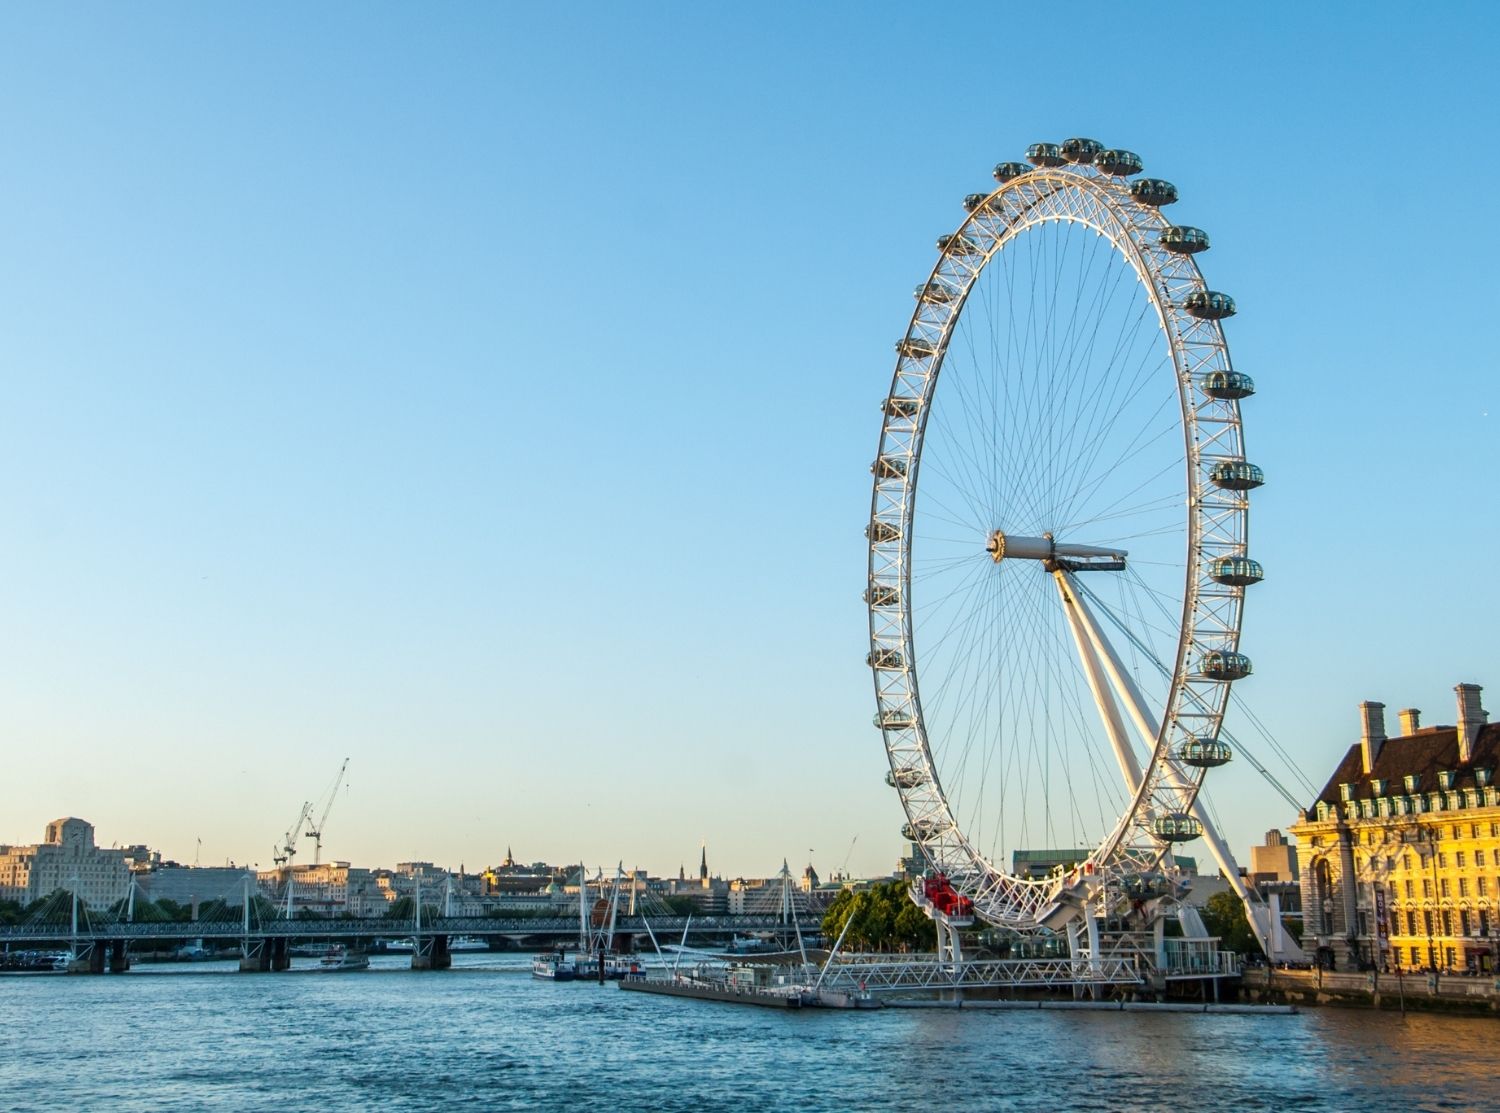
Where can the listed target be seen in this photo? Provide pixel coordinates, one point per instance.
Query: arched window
(1325, 896)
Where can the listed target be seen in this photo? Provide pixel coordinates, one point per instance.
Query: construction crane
(317, 832)
(287, 849)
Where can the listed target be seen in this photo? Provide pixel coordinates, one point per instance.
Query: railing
(479, 926)
(929, 972)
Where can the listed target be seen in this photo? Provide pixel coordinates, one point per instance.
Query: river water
(486, 1035)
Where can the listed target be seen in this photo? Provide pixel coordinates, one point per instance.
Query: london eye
(1058, 542)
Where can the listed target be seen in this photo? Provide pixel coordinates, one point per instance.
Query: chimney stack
(1411, 721)
(1471, 717)
(1372, 732)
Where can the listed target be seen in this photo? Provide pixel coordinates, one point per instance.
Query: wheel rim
(915, 706)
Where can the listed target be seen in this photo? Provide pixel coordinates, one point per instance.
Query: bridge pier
(119, 956)
(88, 958)
(431, 953)
(259, 956)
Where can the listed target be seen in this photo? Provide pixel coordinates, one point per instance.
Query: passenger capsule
(1208, 305)
(882, 533)
(884, 659)
(1176, 827)
(1153, 192)
(1081, 151)
(956, 243)
(975, 201)
(905, 778)
(1045, 154)
(1145, 886)
(1221, 664)
(1183, 240)
(893, 719)
(1008, 171)
(1236, 571)
(882, 595)
(1236, 475)
(889, 467)
(1228, 385)
(1204, 753)
(921, 829)
(935, 293)
(914, 347)
(1117, 163)
(898, 406)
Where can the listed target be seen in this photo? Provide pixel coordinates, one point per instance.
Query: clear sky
(486, 392)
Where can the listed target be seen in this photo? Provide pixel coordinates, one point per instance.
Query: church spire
(703, 864)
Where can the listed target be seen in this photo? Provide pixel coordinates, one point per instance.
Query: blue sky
(486, 393)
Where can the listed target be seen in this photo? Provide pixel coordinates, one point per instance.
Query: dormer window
(1346, 792)
(1411, 781)
(1378, 785)
(1482, 776)
(1445, 779)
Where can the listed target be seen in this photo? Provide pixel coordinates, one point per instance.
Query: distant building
(190, 886)
(1411, 823)
(323, 888)
(1276, 861)
(66, 859)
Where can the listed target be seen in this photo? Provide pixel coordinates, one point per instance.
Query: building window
(1390, 864)
(1410, 782)
(1445, 886)
(1426, 887)
(1458, 859)
(1479, 857)
(1411, 925)
(1483, 887)
(1409, 893)
(1442, 861)
(1463, 887)
(1463, 922)
(1406, 862)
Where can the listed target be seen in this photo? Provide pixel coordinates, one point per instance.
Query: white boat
(554, 966)
(339, 959)
(401, 946)
(466, 943)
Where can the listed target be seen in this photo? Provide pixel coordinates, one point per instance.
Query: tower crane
(317, 832)
(287, 849)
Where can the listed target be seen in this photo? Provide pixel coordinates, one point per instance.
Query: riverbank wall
(1372, 990)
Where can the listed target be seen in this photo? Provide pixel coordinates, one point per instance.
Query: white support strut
(1146, 724)
(1130, 767)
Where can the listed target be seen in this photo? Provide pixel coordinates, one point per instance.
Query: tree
(881, 918)
(1224, 916)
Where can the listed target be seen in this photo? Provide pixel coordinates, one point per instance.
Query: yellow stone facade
(1410, 824)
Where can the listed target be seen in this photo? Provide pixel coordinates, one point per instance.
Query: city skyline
(406, 394)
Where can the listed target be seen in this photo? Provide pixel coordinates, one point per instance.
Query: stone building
(1273, 862)
(66, 859)
(1399, 854)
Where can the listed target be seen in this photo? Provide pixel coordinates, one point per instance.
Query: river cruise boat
(339, 959)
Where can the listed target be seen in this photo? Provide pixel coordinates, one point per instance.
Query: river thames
(486, 1035)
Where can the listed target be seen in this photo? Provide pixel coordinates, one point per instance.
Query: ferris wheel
(1058, 546)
